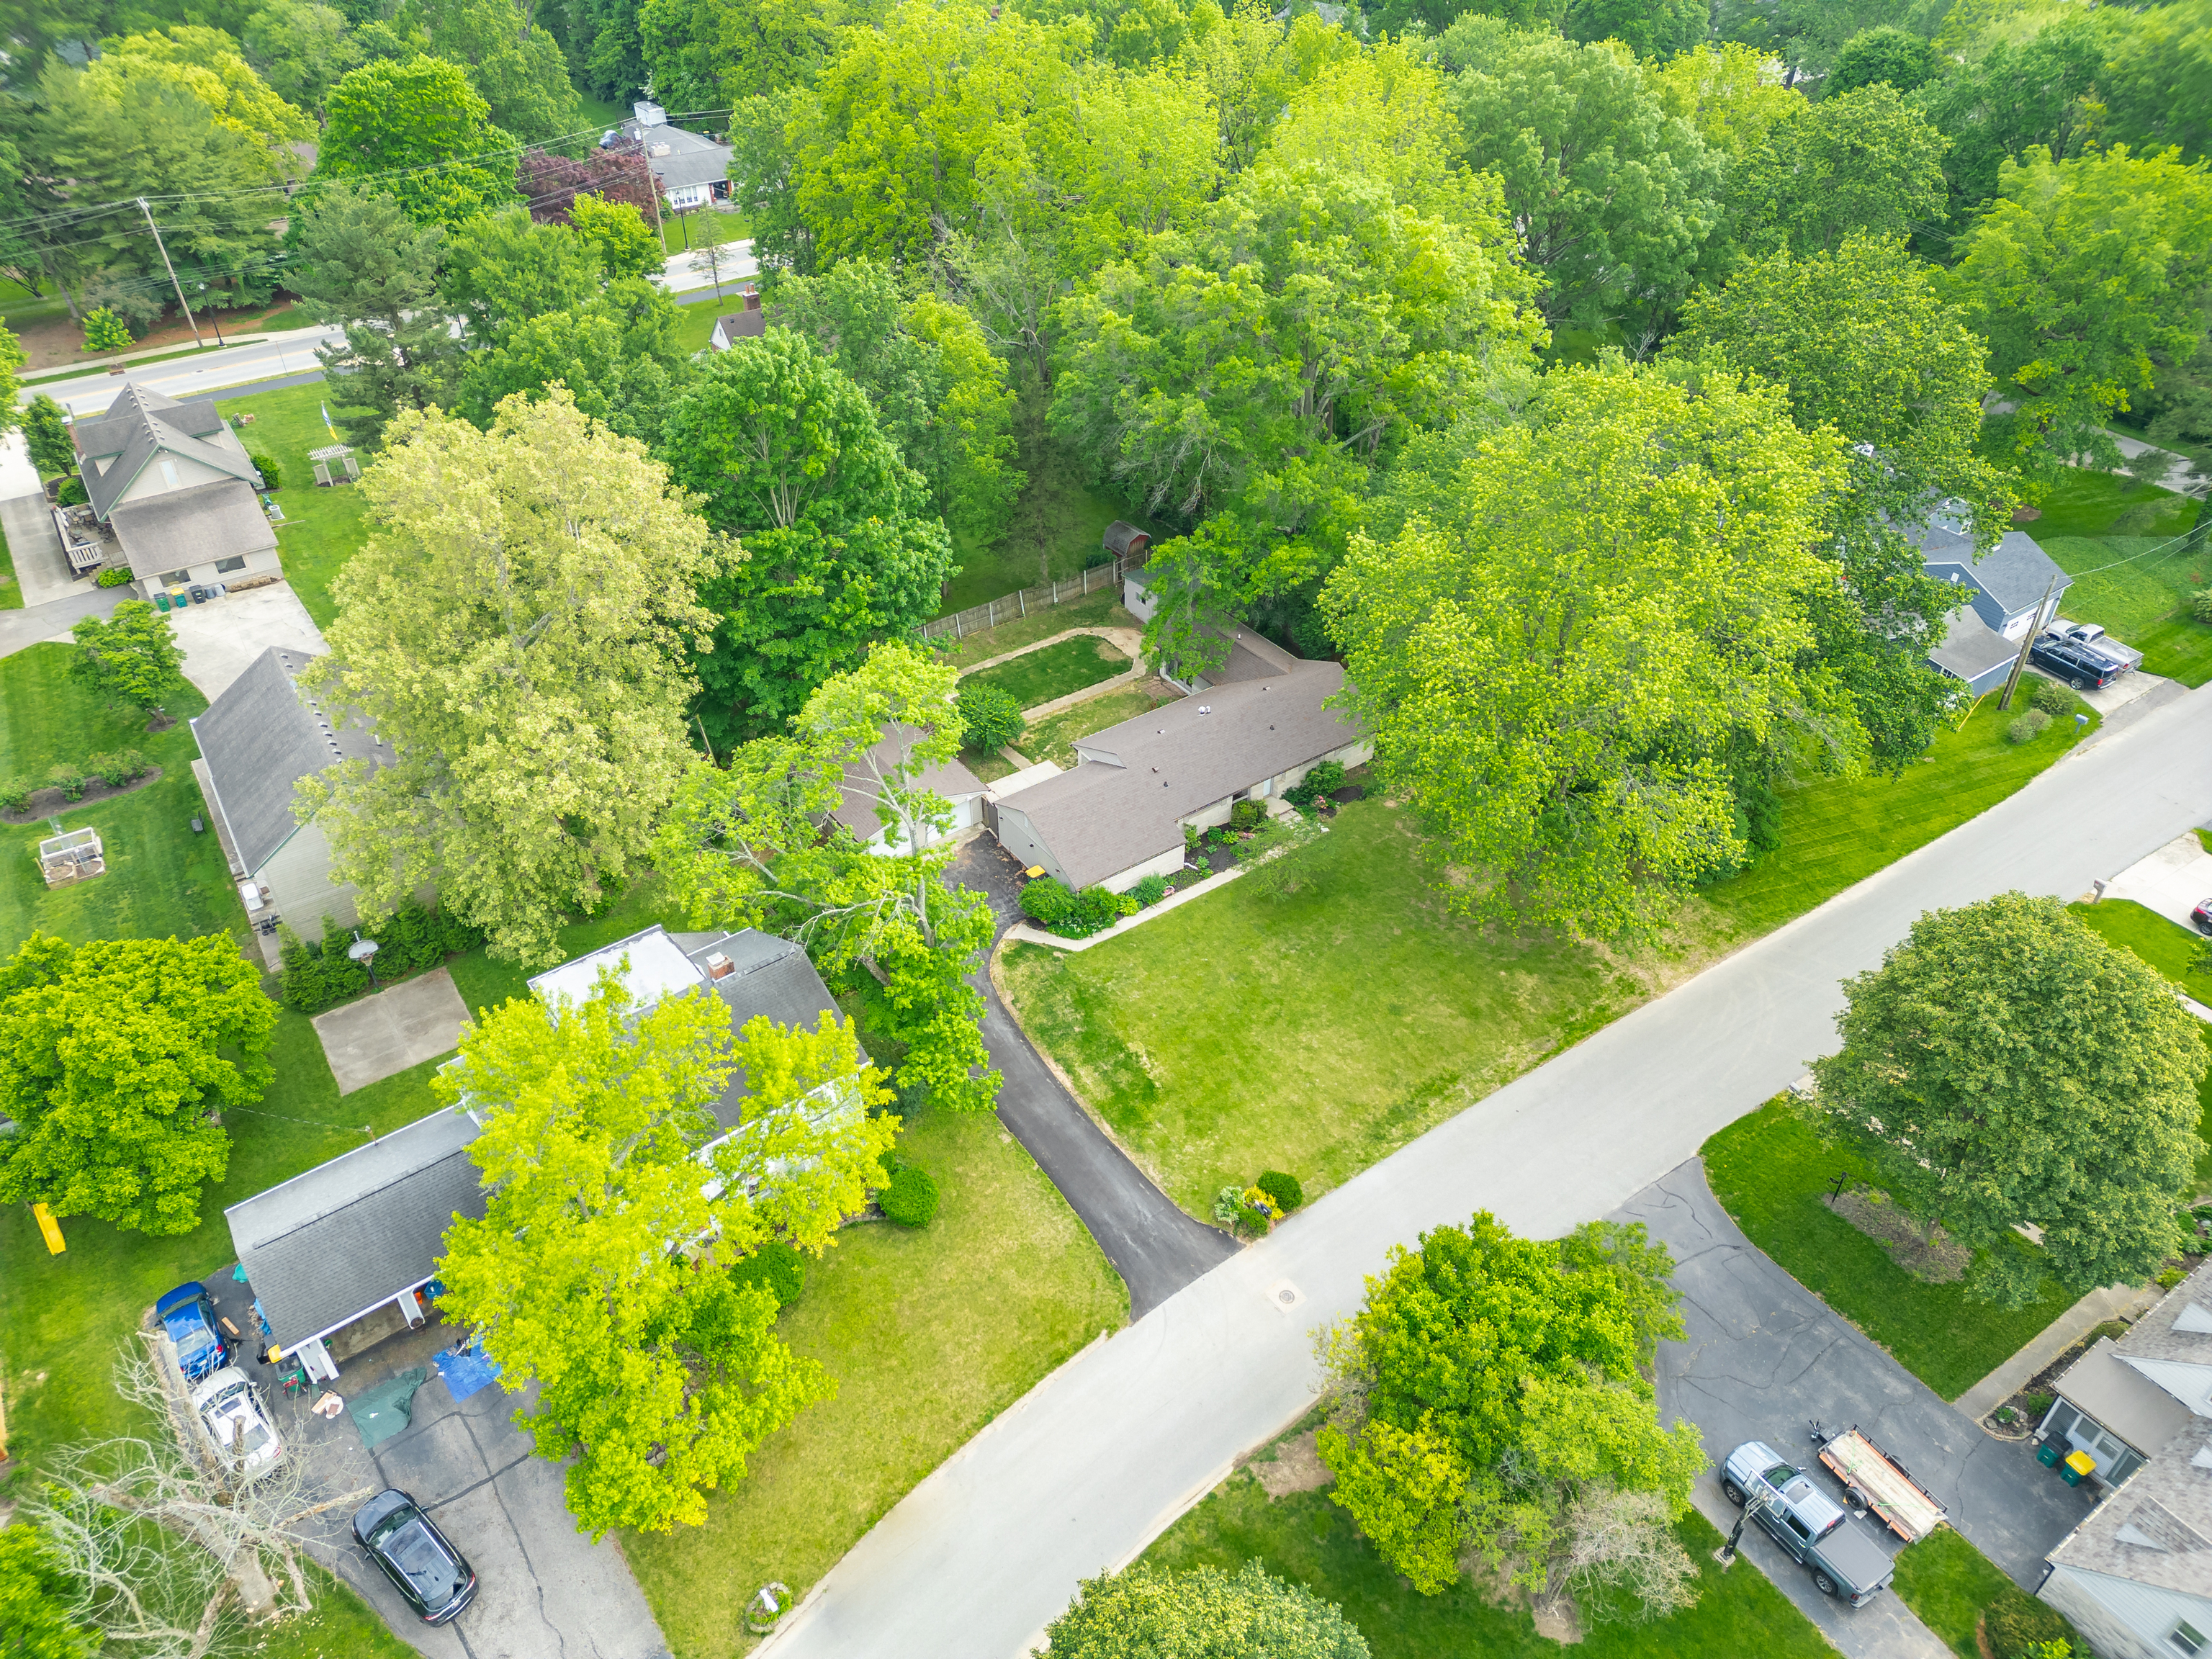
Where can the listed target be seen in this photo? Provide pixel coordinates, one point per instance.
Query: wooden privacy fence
(990, 615)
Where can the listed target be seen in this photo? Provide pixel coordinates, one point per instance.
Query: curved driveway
(1081, 1473)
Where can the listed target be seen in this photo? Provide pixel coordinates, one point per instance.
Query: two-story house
(2009, 591)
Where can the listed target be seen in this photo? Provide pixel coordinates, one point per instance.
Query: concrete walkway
(2113, 1302)
(1101, 1456)
(387, 1032)
(2172, 881)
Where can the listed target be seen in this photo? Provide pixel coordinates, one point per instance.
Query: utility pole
(2027, 645)
(174, 283)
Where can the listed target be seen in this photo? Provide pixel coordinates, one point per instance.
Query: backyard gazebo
(73, 857)
(339, 456)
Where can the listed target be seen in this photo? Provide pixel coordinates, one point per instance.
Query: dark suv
(2073, 662)
(415, 1556)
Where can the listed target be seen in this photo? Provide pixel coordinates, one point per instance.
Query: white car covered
(231, 1410)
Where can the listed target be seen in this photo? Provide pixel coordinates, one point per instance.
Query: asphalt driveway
(1765, 1357)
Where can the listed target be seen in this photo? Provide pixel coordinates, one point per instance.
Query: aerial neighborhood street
(1174, 831)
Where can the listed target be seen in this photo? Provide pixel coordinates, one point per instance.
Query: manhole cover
(1285, 1295)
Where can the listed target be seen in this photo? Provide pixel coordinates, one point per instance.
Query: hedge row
(124, 766)
(318, 973)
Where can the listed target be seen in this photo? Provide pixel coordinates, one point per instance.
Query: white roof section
(656, 969)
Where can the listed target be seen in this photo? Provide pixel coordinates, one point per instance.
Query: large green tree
(2005, 1066)
(516, 627)
(586, 349)
(1566, 664)
(2014, 97)
(600, 1269)
(840, 548)
(1490, 1401)
(1203, 1614)
(38, 1603)
(364, 265)
(515, 63)
(1861, 161)
(1865, 344)
(708, 54)
(499, 269)
(1613, 198)
(2078, 275)
(132, 657)
(745, 846)
(1649, 29)
(120, 1058)
(2156, 83)
(424, 134)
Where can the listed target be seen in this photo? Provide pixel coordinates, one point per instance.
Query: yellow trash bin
(2076, 1467)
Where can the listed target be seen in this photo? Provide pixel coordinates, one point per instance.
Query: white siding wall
(967, 813)
(1207, 817)
(153, 480)
(298, 877)
(266, 562)
(2121, 1619)
(1165, 865)
(1017, 837)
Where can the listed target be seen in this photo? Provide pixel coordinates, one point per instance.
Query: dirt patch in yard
(1940, 1260)
(1295, 1467)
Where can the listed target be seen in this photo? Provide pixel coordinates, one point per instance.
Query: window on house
(2186, 1636)
(176, 576)
(224, 567)
(169, 473)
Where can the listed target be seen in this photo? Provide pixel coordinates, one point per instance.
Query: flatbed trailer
(1877, 1481)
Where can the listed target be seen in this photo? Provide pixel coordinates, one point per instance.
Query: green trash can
(2047, 1453)
(2076, 1467)
(161, 601)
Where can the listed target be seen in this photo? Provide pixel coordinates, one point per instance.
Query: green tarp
(383, 1411)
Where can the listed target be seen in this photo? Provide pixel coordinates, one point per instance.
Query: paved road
(1155, 1248)
(194, 376)
(1090, 1466)
(1765, 1357)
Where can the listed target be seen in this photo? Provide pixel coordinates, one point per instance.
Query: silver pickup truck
(1845, 1558)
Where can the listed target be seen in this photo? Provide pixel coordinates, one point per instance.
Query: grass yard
(323, 528)
(929, 1334)
(1950, 1584)
(2114, 526)
(1055, 671)
(1836, 831)
(1317, 1033)
(1309, 1540)
(1102, 609)
(161, 879)
(11, 591)
(1770, 1171)
(701, 228)
(2172, 949)
(694, 323)
(1053, 736)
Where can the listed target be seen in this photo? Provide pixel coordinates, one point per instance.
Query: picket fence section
(978, 616)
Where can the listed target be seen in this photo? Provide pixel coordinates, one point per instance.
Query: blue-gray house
(2012, 590)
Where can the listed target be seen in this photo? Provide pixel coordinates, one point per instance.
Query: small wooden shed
(72, 857)
(1126, 541)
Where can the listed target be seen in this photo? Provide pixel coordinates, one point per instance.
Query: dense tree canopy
(1860, 161)
(1565, 666)
(425, 134)
(2013, 98)
(1203, 1614)
(132, 657)
(517, 628)
(120, 1058)
(2005, 1065)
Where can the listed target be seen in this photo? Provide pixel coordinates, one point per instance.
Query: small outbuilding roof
(1971, 646)
(2122, 1398)
(260, 737)
(201, 525)
(348, 1236)
(141, 425)
(857, 809)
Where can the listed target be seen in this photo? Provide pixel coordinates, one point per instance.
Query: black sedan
(415, 1556)
(2073, 663)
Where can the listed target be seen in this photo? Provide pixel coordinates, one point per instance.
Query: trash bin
(161, 601)
(2047, 1453)
(2076, 1467)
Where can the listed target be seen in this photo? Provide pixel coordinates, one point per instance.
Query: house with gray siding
(2135, 1578)
(257, 741)
(1251, 729)
(2012, 590)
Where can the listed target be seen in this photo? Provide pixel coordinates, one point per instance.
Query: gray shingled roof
(198, 525)
(691, 159)
(359, 1230)
(2170, 1330)
(743, 324)
(2122, 1398)
(1101, 818)
(259, 738)
(141, 425)
(767, 976)
(1971, 647)
(2014, 573)
(857, 808)
(2157, 1529)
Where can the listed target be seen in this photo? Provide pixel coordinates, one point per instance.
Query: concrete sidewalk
(2113, 1302)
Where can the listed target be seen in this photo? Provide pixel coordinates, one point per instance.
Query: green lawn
(1308, 1539)
(694, 323)
(2113, 526)
(1053, 736)
(1769, 1170)
(2172, 950)
(701, 226)
(929, 1334)
(1315, 1034)
(161, 879)
(323, 528)
(1837, 831)
(1054, 670)
(1099, 609)
(1950, 1584)
(11, 591)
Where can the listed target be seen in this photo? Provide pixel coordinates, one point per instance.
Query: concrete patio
(391, 1029)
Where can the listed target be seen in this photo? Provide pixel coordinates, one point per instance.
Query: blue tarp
(466, 1371)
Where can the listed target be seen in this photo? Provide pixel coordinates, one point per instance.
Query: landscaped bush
(777, 1266)
(15, 795)
(1237, 1210)
(2027, 727)
(124, 766)
(2050, 696)
(1248, 815)
(1149, 891)
(1283, 1189)
(71, 493)
(2200, 605)
(911, 1198)
(1047, 902)
(316, 975)
(2017, 1625)
(272, 476)
(67, 777)
(1097, 909)
(114, 576)
(990, 718)
(1073, 916)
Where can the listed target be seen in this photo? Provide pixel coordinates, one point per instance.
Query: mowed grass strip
(1307, 1540)
(2117, 537)
(1770, 1171)
(1836, 831)
(1053, 671)
(929, 1334)
(1315, 1033)
(1053, 738)
(1102, 609)
(2173, 950)
(323, 527)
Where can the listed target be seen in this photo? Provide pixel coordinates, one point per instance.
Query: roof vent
(719, 966)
